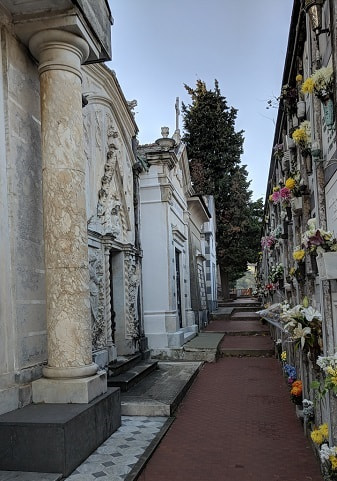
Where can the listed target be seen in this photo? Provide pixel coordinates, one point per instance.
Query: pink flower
(285, 193)
(276, 196)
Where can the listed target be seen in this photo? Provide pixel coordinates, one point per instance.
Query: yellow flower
(271, 198)
(276, 189)
(292, 271)
(333, 461)
(317, 436)
(300, 135)
(330, 370)
(283, 356)
(290, 183)
(324, 430)
(299, 78)
(298, 255)
(308, 86)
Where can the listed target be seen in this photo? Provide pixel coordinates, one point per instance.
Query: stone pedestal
(56, 438)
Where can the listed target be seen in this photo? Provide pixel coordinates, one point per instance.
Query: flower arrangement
(276, 273)
(294, 184)
(289, 97)
(320, 83)
(298, 254)
(291, 373)
(278, 151)
(281, 195)
(296, 392)
(308, 409)
(320, 434)
(303, 324)
(302, 135)
(270, 288)
(327, 454)
(329, 365)
(268, 241)
(316, 240)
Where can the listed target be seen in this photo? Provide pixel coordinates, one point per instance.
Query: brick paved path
(237, 423)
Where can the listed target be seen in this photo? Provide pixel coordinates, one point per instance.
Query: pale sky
(158, 46)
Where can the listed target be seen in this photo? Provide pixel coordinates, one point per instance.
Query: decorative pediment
(112, 212)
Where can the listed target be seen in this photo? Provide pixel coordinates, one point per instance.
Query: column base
(56, 438)
(69, 391)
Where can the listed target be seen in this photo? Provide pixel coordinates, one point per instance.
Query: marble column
(60, 54)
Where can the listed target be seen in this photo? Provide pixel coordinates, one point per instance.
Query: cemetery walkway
(237, 422)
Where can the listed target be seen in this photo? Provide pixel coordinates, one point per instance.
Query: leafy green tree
(214, 149)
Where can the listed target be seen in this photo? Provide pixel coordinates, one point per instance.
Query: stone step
(28, 476)
(126, 379)
(240, 315)
(246, 309)
(238, 328)
(123, 364)
(222, 313)
(239, 346)
(204, 347)
(160, 393)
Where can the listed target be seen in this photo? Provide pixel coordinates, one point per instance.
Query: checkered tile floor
(116, 457)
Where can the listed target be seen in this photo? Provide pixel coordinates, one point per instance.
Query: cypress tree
(214, 149)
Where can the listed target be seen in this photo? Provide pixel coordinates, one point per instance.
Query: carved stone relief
(132, 281)
(97, 298)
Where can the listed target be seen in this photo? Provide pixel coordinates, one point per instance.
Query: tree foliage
(214, 149)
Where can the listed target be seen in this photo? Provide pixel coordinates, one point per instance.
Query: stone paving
(115, 459)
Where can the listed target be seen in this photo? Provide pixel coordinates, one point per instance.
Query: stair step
(135, 374)
(247, 346)
(246, 309)
(123, 364)
(160, 393)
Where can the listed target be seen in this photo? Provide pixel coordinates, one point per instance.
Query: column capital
(59, 50)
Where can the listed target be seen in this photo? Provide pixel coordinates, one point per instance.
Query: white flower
(312, 224)
(324, 452)
(310, 314)
(301, 332)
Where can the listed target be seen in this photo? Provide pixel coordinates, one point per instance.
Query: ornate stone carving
(132, 330)
(97, 298)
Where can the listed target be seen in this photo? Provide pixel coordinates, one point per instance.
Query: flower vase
(328, 113)
(301, 109)
(297, 205)
(327, 265)
(314, 266)
(290, 142)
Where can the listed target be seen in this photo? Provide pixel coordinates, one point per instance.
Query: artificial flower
(299, 135)
(285, 193)
(283, 355)
(290, 183)
(276, 196)
(310, 314)
(317, 436)
(308, 86)
(333, 461)
(298, 255)
(301, 333)
(299, 78)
